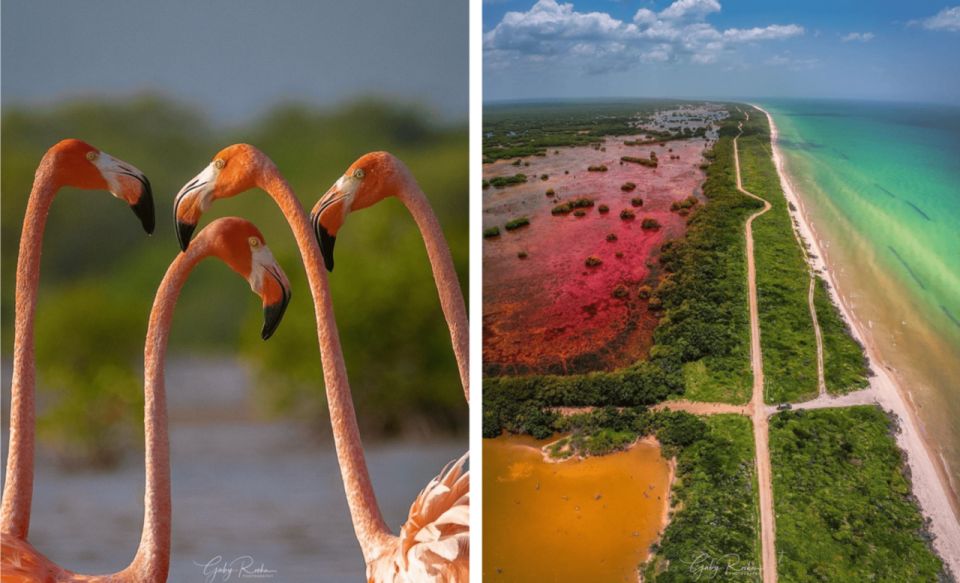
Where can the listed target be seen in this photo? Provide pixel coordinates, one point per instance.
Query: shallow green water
(882, 184)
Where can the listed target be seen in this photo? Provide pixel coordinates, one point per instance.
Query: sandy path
(760, 428)
(928, 474)
(865, 397)
(701, 408)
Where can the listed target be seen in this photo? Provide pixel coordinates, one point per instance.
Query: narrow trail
(863, 397)
(768, 553)
(821, 380)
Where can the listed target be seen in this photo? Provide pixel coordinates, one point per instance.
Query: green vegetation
(845, 365)
(598, 168)
(502, 181)
(611, 237)
(579, 213)
(603, 209)
(91, 381)
(648, 162)
(491, 232)
(627, 215)
(704, 296)
(550, 192)
(486, 184)
(522, 254)
(628, 187)
(593, 261)
(566, 207)
(519, 130)
(620, 292)
(514, 224)
(842, 499)
(636, 201)
(650, 223)
(714, 518)
(544, 176)
(686, 203)
(787, 337)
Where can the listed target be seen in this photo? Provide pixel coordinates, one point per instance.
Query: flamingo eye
(92, 155)
(219, 163)
(254, 242)
(358, 173)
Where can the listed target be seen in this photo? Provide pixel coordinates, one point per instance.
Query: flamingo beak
(128, 183)
(272, 315)
(143, 208)
(327, 217)
(191, 201)
(184, 234)
(273, 309)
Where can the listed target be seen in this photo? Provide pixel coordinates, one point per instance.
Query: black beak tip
(272, 315)
(144, 209)
(327, 242)
(184, 233)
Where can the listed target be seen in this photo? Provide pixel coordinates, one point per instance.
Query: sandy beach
(931, 484)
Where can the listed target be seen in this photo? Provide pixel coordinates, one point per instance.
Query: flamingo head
(233, 170)
(372, 178)
(78, 164)
(239, 244)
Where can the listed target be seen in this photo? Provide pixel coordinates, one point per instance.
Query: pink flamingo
(68, 163)
(372, 178)
(241, 246)
(434, 542)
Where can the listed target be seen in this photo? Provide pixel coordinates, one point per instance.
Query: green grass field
(715, 521)
(786, 329)
(843, 502)
(845, 366)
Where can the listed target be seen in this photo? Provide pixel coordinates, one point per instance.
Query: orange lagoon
(577, 520)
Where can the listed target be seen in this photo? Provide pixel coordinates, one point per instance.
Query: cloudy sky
(236, 58)
(904, 51)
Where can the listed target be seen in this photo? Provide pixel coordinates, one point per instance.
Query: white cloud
(947, 19)
(857, 36)
(788, 61)
(689, 8)
(679, 32)
(772, 32)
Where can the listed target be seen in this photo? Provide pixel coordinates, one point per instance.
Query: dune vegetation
(844, 507)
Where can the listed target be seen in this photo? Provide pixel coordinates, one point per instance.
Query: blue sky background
(901, 51)
(234, 59)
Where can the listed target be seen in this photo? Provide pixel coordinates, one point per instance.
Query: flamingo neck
(444, 274)
(371, 530)
(152, 560)
(18, 487)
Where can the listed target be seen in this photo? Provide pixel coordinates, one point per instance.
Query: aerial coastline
(929, 475)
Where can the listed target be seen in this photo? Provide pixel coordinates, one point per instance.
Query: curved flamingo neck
(152, 561)
(371, 530)
(444, 274)
(18, 487)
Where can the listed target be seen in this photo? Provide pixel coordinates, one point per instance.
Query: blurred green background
(100, 271)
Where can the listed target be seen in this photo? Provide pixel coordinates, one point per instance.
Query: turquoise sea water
(881, 182)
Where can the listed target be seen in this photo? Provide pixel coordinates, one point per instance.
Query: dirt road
(760, 428)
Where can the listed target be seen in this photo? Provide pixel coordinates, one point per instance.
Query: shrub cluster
(516, 223)
(502, 181)
(570, 205)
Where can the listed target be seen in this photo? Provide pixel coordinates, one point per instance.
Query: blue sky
(900, 51)
(236, 59)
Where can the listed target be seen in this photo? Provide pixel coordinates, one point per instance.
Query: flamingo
(74, 163)
(434, 542)
(240, 245)
(370, 179)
